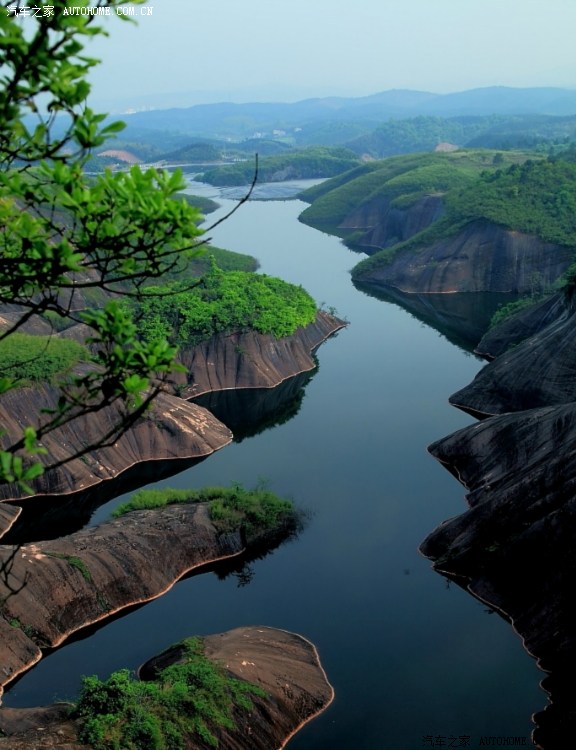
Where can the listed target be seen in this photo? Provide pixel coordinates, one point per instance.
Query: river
(412, 659)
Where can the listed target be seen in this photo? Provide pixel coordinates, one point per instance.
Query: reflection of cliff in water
(462, 318)
(246, 412)
(239, 567)
(52, 516)
(250, 411)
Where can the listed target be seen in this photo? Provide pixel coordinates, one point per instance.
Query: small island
(251, 688)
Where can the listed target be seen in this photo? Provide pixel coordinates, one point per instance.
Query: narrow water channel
(409, 656)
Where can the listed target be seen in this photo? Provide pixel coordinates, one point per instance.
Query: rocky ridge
(513, 549)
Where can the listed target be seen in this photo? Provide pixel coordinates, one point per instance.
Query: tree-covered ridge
(317, 161)
(220, 302)
(536, 197)
(503, 132)
(400, 180)
(423, 133)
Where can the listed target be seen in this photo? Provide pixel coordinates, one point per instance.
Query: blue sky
(189, 51)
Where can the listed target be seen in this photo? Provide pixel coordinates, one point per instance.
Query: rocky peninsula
(175, 428)
(284, 667)
(52, 589)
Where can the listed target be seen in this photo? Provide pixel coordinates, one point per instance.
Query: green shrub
(506, 311)
(191, 698)
(223, 302)
(231, 508)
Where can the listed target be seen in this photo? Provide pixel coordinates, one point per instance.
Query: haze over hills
(239, 121)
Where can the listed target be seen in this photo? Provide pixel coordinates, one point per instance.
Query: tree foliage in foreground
(63, 235)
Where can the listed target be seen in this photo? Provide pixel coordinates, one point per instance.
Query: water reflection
(250, 411)
(53, 516)
(32, 687)
(462, 318)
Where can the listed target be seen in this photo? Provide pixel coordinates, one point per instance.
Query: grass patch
(186, 701)
(38, 358)
(75, 562)
(226, 260)
(506, 311)
(230, 508)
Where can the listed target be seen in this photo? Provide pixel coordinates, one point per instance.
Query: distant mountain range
(353, 115)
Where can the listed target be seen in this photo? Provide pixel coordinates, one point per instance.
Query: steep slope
(481, 257)
(510, 230)
(514, 548)
(539, 371)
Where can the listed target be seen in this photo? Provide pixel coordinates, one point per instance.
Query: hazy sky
(249, 50)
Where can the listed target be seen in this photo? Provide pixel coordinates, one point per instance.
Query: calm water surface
(409, 656)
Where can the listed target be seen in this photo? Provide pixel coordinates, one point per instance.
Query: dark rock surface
(540, 371)
(514, 548)
(522, 325)
(482, 257)
(383, 224)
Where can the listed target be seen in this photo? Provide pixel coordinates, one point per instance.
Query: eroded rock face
(540, 371)
(174, 429)
(514, 547)
(482, 257)
(252, 360)
(383, 224)
(517, 328)
(284, 664)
